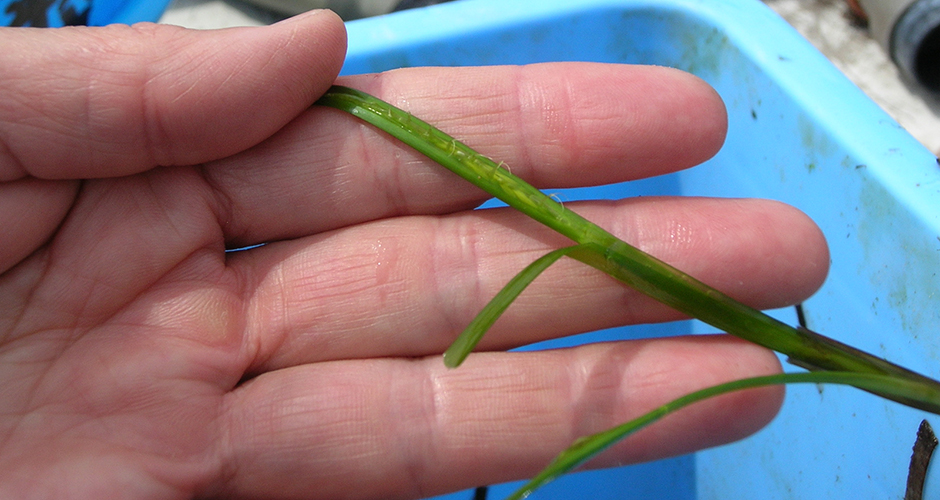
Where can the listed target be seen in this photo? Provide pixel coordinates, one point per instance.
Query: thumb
(100, 102)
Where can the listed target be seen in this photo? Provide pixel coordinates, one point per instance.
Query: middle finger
(408, 286)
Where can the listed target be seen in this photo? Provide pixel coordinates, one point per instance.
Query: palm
(140, 360)
(124, 349)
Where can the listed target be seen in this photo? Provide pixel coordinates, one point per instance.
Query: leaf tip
(453, 359)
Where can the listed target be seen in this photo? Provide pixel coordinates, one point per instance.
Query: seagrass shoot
(827, 361)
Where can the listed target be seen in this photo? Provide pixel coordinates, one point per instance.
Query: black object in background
(413, 4)
(44, 13)
(909, 31)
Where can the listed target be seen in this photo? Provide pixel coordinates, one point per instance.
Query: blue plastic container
(799, 132)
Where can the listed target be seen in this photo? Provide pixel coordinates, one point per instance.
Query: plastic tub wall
(799, 132)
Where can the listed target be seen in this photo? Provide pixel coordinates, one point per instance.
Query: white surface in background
(212, 14)
(827, 25)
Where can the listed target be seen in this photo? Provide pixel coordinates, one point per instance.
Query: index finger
(555, 125)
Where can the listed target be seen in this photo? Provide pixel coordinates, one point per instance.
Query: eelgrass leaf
(620, 259)
(836, 362)
(588, 447)
(468, 340)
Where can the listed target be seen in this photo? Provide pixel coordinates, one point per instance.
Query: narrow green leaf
(618, 258)
(468, 340)
(588, 447)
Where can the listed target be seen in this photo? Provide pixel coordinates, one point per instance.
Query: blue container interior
(799, 132)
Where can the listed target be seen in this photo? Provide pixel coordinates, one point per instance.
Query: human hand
(138, 359)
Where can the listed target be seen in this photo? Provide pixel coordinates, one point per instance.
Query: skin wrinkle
(48, 122)
(571, 142)
(78, 316)
(223, 453)
(345, 177)
(11, 168)
(305, 302)
(288, 402)
(449, 278)
(542, 398)
(595, 400)
(378, 261)
(290, 43)
(388, 251)
(644, 230)
(434, 409)
(467, 432)
(476, 259)
(34, 209)
(154, 128)
(364, 156)
(205, 62)
(284, 314)
(598, 111)
(610, 378)
(124, 73)
(401, 290)
(220, 203)
(416, 458)
(161, 216)
(551, 113)
(485, 130)
(578, 375)
(76, 131)
(88, 136)
(390, 182)
(39, 403)
(228, 185)
(234, 73)
(145, 209)
(266, 330)
(522, 110)
(130, 81)
(79, 336)
(379, 268)
(28, 403)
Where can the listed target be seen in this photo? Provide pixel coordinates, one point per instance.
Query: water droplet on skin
(382, 265)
